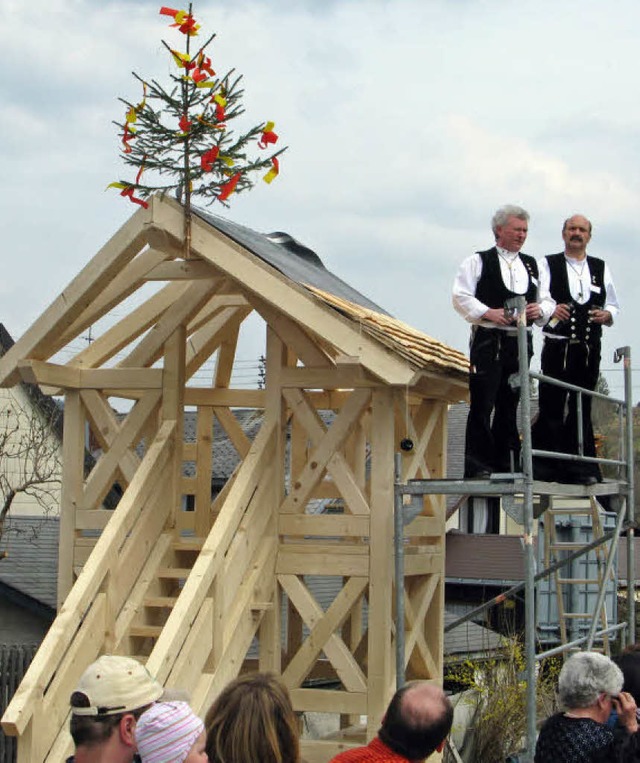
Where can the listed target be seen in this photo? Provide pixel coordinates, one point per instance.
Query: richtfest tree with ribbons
(179, 139)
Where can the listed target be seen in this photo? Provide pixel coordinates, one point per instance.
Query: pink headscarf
(166, 732)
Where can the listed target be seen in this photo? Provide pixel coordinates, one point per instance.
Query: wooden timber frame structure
(188, 592)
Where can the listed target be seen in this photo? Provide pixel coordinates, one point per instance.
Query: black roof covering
(290, 257)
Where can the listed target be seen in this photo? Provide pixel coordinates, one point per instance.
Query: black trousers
(492, 443)
(556, 428)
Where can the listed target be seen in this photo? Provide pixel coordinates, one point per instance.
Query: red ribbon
(208, 158)
(229, 187)
(127, 137)
(184, 124)
(267, 137)
(128, 192)
(220, 115)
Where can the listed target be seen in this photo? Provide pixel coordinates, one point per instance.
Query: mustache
(576, 238)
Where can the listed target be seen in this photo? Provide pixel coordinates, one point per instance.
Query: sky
(408, 122)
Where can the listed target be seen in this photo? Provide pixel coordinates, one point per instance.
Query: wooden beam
(381, 560)
(338, 377)
(181, 270)
(229, 398)
(69, 377)
(123, 285)
(222, 330)
(292, 335)
(151, 346)
(324, 525)
(133, 325)
(42, 340)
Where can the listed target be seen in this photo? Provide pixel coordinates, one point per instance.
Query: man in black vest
(484, 283)
(586, 301)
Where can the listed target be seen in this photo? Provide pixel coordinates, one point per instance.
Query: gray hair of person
(502, 215)
(585, 676)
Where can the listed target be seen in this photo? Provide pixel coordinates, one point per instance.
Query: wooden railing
(88, 620)
(224, 600)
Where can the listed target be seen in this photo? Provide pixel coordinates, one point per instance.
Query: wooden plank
(323, 524)
(226, 356)
(338, 377)
(181, 270)
(331, 442)
(323, 636)
(417, 625)
(290, 563)
(204, 468)
(191, 661)
(286, 296)
(234, 431)
(427, 527)
(381, 570)
(64, 627)
(329, 701)
(211, 556)
(179, 313)
(95, 519)
(423, 564)
(39, 372)
(132, 326)
(231, 398)
(103, 473)
(42, 340)
(72, 489)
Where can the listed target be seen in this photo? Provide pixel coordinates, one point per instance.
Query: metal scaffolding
(522, 483)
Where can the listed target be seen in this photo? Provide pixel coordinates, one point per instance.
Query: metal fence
(14, 661)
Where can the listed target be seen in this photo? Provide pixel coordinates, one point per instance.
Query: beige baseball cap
(114, 684)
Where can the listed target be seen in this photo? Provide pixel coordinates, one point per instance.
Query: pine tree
(179, 139)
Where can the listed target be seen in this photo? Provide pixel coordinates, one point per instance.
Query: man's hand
(496, 315)
(533, 311)
(562, 312)
(600, 316)
(625, 706)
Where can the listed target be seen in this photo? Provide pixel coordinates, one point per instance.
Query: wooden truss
(189, 592)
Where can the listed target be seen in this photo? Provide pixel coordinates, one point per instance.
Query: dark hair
(90, 730)
(252, 720)
(414, 737)
(629, 664)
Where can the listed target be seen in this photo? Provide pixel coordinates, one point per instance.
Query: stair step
(174, 573)
(582, 581)
(160, 601)
(578, 615)
(571, 512)
(187, 544)
(146, 631)
(566, 546)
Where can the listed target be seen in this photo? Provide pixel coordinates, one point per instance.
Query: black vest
(578, 326)
(492, 290)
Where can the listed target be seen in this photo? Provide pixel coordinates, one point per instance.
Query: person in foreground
(416, 724)
(170, 732)
(586, 300)
(483, 290)
(599, 720)
(111, 695)
(251, 721)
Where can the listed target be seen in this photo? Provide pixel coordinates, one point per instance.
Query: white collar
(511, 256)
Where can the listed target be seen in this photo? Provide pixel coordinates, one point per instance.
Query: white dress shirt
(515, 277)
(580, 286)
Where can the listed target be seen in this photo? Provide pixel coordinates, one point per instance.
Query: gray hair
(503, 214)
(585, 676)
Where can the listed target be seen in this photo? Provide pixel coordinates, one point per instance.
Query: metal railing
(523, 483)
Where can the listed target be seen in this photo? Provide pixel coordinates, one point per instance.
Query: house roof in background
(31, 564)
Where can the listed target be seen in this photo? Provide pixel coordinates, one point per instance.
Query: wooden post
(72, 489)
(381, 670)
(173, 381)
